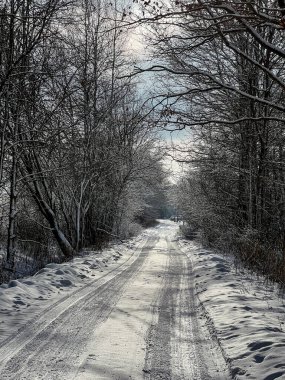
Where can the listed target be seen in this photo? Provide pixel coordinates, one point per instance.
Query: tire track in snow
(51, 348)
(176, 347)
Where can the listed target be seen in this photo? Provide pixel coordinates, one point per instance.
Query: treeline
(224, 65)
(78, 161)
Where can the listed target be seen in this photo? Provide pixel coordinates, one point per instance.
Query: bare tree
(221, 69)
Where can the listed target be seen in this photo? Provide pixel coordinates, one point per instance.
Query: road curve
(139, 322)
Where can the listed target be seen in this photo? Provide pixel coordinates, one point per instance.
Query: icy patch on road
(23, 299)
(245, 314)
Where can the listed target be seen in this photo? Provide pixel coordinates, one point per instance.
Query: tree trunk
(11, 241)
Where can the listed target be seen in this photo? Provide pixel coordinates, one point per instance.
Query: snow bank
(243, 313)
(23, 299)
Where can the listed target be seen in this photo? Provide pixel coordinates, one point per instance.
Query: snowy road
(139, 321)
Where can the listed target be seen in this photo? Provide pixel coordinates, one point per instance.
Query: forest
(81, 161)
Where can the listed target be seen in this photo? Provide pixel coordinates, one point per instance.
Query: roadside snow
(23, 299)
(244, 313)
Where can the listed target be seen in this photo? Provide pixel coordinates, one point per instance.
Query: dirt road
(140, 321)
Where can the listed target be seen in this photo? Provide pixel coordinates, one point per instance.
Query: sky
(137, 49)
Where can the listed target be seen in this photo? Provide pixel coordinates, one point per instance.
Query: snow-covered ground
(23, 299)
(244, 313)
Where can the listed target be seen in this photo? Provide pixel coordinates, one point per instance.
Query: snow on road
(156, 307)
(117, 349)
(153, 331)
(245, 314)
(25, 299)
